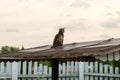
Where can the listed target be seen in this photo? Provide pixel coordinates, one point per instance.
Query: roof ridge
(104, 41)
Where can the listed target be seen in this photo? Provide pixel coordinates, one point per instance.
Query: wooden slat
(117, 72)
(2, 68)
(106, 71)
(68, 69)
(111, 71)
(91, 70)
(101, 70)
(96, 70)
(45, 71)
(35, 67)
(86, 70)
(9, 68)
(103, 75)
(40, 70)
(63, 70)
(24, 68)
(60, 69)
(81, 71)
(14, 71)
(30, 67)
(72, 69)
(19, 67)
(76, 69)
(50, 70)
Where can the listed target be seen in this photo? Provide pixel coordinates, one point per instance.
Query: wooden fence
(67, 71)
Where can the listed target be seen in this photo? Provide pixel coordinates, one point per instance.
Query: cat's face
(62, 30)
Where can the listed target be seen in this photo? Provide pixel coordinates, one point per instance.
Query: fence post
(81, 70)
(55, 68)
(14, 71)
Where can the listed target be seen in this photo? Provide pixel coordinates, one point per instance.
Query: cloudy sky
(35, 22)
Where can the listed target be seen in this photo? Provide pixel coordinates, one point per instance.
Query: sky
(32, 23)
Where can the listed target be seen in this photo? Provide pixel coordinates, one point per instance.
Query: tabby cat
(58, 40)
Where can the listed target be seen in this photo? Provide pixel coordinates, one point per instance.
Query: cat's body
(58, 40)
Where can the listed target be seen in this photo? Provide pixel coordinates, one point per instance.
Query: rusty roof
(74, 51)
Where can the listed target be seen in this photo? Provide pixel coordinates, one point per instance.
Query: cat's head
(62, 30)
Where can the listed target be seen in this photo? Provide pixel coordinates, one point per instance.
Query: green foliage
(9, 49)
(48, 63)
(113, 62)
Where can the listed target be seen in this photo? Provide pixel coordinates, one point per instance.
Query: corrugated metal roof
(68, 51)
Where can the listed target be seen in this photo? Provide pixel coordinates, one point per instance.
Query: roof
(80, 51)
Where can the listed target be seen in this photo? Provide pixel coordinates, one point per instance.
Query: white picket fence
(67, 71)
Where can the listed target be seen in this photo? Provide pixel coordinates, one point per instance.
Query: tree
(8, 49)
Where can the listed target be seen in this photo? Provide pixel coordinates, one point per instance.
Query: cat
(58, 40)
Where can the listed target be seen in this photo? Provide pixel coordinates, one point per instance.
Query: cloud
(105, 36)
(12, 30)
(79, 3)
(107, 6)
(118, 12)
(109, 14)
(111, 23)
(76, 25)
(16, 30)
